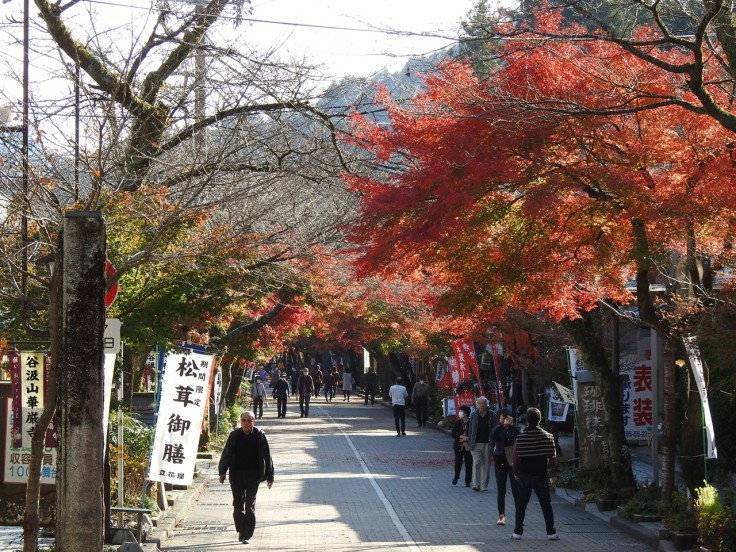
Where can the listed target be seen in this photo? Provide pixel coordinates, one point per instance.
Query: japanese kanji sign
(458, 372)
(184, 389)
(637, 401)
(17, 459)
(28, 378)
(465, 356)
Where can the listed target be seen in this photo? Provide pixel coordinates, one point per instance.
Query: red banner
(458, 372)
(466, 397)
(16, 393)
(446, 381)
(465, 355)
(501, 398)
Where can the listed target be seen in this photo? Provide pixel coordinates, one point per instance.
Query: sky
(349, 37)
(352, 52)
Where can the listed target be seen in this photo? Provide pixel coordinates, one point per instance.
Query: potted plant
(678, 516)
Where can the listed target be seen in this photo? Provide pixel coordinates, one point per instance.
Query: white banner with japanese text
(696, 364)
(184, 389)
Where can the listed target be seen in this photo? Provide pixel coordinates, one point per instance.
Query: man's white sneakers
(514, 536)
(501, 520)
(553, 536)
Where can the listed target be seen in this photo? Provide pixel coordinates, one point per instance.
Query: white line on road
(382, 497)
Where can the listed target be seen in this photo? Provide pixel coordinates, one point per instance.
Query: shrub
(137, 441)
(715, 522)
(678, 514)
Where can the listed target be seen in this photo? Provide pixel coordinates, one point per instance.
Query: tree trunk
(669, 439)
(79, 489)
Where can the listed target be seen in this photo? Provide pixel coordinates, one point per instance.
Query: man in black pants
(370, 380)
(247, 457)
(420, 398)
(535, 467)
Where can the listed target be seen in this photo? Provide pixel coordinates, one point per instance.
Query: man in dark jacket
(305, 387)
(281, 392)
(370, 380)
(247, 457)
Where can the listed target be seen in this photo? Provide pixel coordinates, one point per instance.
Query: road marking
(382, 497)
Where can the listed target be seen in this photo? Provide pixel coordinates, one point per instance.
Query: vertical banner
(32, 393)
(465, 354)
(458, 372)
(466, 397)
(696, 364)
(16, 430)
(557, 406)
(18, 459)
(366, 360)
(501, 398)
(218, 389)
(637, 401)
(183, 401)
(109, 371)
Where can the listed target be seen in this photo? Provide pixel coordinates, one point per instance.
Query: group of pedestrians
(526, 459)
(305, 385)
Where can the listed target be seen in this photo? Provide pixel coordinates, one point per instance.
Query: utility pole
(80, 510)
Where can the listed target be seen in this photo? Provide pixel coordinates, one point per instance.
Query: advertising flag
(184, 397)
(693, 353)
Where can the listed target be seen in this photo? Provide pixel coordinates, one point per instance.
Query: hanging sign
(184, 398)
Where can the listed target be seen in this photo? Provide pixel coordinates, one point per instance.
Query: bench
(140, 512)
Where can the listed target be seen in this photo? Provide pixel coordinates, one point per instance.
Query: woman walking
(463, 456)
(502, 438)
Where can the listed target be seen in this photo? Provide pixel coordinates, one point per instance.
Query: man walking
(258, 395)
(281, 392)
(305, 386)
(370, 380)
(398, 394)
(479, 438)
(534, 454)
(420, 398)
(247, 458)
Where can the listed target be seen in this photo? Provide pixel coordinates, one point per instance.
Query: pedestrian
(275, 375)
(281, 392)
(318, 376)
(258, 394)
(463, 456)
(347, 385)
(293, 379)
(398, 394)
(479, 443)
(263, 373)
(329, 384)
(247, 459)
(535, 468)
(305, 387)
(420, 398)
(370, 387)
(502, 442)
(335, 383)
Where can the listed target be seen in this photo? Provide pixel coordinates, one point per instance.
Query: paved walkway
(346, 482)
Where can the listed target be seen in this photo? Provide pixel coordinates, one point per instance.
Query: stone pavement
(346, 482)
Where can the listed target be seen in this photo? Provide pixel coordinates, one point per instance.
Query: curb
(166, 525)
(648, 533)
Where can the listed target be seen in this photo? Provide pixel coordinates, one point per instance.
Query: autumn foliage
(513, 191)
